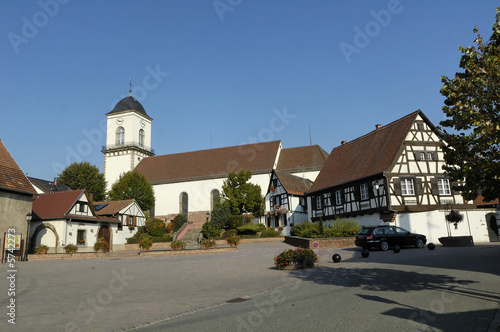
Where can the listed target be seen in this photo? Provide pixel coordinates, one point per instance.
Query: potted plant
(70, 248)
(233, 239)
(208, 243)
(177, 245)
(101, 245)
(454, 217)
(145, 243)
(42, 249)
(299, 258)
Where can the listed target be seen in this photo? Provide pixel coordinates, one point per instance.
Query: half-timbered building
(393, 174)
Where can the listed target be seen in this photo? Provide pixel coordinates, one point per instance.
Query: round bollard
(396, 249)
(365, 253)
(431, 246)
(336, 258)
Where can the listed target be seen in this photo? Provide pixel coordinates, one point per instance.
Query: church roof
(210, 164)
(367, 155)
(12, 177)
(129, 104)
(300, 159)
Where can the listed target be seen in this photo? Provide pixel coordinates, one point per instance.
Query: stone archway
(45, 233)
(106, 233)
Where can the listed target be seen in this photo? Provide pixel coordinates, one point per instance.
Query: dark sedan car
(384, 237)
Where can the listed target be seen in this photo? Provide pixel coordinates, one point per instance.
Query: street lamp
(28, 239)
(208, 215)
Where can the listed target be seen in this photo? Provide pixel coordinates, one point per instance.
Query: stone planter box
(319, 243)
(457, 241)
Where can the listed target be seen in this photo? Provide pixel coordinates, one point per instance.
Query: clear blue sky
(231, 70)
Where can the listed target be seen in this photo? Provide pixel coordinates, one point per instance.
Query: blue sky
(222, 73)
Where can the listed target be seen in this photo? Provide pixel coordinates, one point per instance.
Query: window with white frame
(407, 187)
(422, 155)
(319, 202)
(444, 186)
(363, 190)
(120, 136)
(338, 197)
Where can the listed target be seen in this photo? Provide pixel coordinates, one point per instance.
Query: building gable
(12, 177)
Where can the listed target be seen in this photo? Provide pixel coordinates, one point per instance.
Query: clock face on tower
(143, 123)
(119, 121)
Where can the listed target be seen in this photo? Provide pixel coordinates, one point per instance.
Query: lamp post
(208, 215)
(28, 238)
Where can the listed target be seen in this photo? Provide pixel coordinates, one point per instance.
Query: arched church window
(120, 136)
(141, 138)
(214, 198)
(183, 203)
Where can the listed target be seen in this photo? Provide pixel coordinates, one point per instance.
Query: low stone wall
(156, 245)
(184, 252)
(302, 242)
(80, 255)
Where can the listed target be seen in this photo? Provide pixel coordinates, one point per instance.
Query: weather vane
(130, 91)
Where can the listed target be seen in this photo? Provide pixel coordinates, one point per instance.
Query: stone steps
(191, 238)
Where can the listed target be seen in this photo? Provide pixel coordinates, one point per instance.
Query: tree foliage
(242, 196)
(472, 125)
(221, 215)
(133, 185)
(85, 176)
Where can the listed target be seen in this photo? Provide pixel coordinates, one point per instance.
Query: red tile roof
(57, 205)
(293, 184)
(213, 163)
(479, 201)
(112, 207)
(11, 176)
(304, 158)
(367, 155)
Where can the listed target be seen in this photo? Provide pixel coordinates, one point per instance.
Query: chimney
(343, 142)
(56, 182)
(377, 126)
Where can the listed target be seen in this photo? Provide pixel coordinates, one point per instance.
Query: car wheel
(384, 245)
(419, 243)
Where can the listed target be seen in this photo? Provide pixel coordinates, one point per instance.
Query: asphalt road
(448, 289)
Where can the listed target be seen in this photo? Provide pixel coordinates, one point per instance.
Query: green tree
(242, 196)
(220, 215)
(85, 176)
(133, 185)
(473, 118)
(179, 220)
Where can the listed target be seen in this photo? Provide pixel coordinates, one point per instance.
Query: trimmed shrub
(236, 221)
(305, 229)
(300, 256)
(155, 227)
(210, 230)
(249, 229)
(270, 233)
(145, 243)
(179, 220)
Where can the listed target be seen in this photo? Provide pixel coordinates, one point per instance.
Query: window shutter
(370, 191)
(453, 184)
(417, 155)
(435, 155)
(434, 186)
(419, 190)
(313, 201)
(397, 186)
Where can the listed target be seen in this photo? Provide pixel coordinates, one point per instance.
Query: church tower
(128, 139)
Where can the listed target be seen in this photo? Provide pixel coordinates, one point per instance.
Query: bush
(305, 229)
(300, 256)
(101, 244)
(270, 233)
(155, 227)
(250, 229)
(228, 233)
(70, 248)
(210, 230)
(345, 227)
(254, 236)
(220, 215)
(145, 243)
(236, 221)
(177, 245)
(179, 220)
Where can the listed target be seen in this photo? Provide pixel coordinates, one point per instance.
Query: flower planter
(39, 252)
(457, 241)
